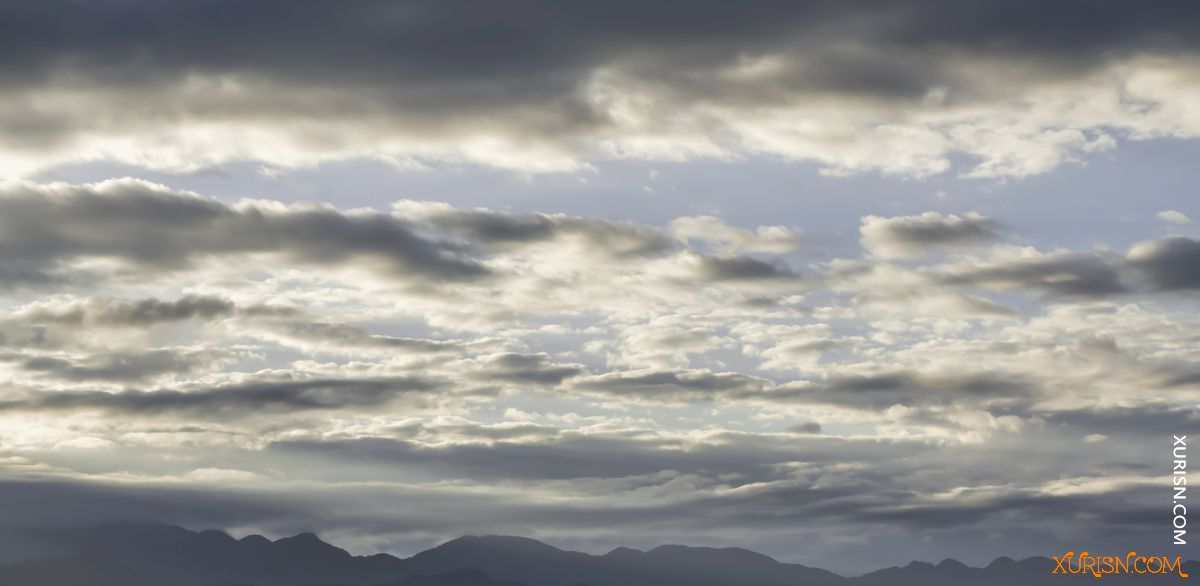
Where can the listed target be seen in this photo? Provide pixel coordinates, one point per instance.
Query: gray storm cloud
(549, 87)
(250, 399)
(147, 226)
(909, 236)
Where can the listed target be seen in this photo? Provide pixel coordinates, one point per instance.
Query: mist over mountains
(166, 555)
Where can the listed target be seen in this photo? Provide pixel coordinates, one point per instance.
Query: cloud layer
(846, 380)
(584, 379)
(1017, 87)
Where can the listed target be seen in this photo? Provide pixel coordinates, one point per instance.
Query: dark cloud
(974, 384)
(571, 455)
(526, 70)
(564, 459)
(911, 235)
(17, 272)
(142, 312)
(125, 367)
(494, 227)
(1183, 379)
(156, 229)
(806, 427)
(670, 386)
(1058, 275)
(535, 369)
(479, 43)
(909, 388)
(486, 227)
(288, 322)
(498, 432)
(1170, 264)
(867, 391)
(1146, 420)
(251, 399)
(1162, 265)
(743, 268)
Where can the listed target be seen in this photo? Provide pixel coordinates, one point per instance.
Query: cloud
(906, 387)
(1174, 217)
(248, 399)
(738, 268)
(44, 228)
(788, 347)
(1170, 264)
(672, 386)
(209, 81)
(911, 236)
(500, 229)
(526, 369)
(344, 338)
(884, 287)
(1144, 420)
(115, 312)
(1062, 274)
(560, 376)
(730, 239)
(662, 343)
(637, 456)
(806, 427)
(125, 366)
(571, 456)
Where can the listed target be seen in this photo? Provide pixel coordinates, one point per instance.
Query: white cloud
(1174, 217)
(729, 239)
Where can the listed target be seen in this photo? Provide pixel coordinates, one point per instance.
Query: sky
(849, 284)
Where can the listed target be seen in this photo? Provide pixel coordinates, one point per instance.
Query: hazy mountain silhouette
(164, 555)
(86, 569)
(456, 578)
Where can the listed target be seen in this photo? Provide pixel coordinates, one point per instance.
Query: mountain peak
(309, 544)
(507, 543)
(951, 564)
(216, 535)
(306, 537)
(624, 552)
(721, 555)
(154, 555)
(255, 540)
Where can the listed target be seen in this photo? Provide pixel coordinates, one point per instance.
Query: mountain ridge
(149, 554)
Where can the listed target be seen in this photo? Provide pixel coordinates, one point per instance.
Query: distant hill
(86, 569)
(456, 578)
(165, 555)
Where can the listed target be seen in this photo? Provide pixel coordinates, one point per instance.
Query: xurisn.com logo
(1179, 484)
(1099, 566)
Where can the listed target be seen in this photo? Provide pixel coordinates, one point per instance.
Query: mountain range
(166, 555)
